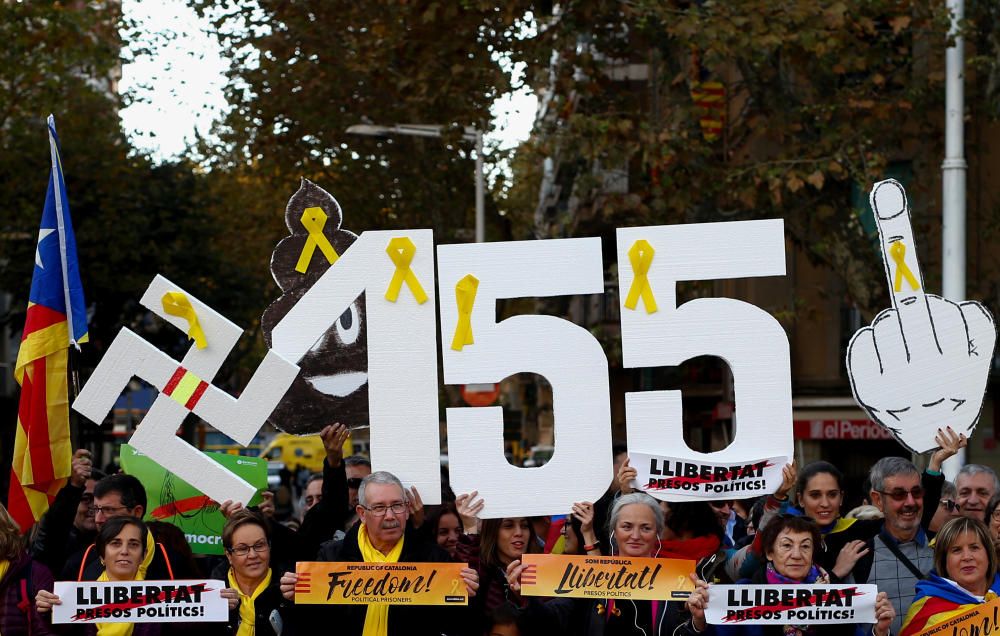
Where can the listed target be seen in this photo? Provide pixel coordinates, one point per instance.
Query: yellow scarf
(125, 629)
(248, 614)
(377, 617)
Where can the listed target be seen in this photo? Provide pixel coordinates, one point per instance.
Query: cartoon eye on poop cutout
(332, 385)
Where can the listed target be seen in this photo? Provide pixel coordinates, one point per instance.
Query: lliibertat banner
(191, 601)
(173, 500)
(678, 479)
(790, 604)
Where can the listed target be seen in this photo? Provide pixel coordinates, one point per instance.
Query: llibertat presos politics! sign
(362, 320)
(194, 601)
(675, 479)
(790, 604)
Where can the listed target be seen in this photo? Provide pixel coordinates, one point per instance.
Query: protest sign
(559, 575)
(982, 619)
(673, 479)
(187, 601)
(171, 499)
(926, 360)
(353, 583)
(790, 604)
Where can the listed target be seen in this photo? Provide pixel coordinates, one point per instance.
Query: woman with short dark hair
(254, 594)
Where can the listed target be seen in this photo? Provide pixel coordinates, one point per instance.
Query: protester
(899, 555)
(489, 550)
(965, 575)
(383, 537)
(357, 468)
(68, 525)
(691, 531)
(993, 522)
(21, 577)
(313, 493)
(946, 509)
(445, 527)
(122, 495)
(789, 543)
(579, 536)
(124, 544)
(976, 485)
(253, 584)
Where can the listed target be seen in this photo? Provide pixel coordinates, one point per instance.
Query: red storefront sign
(839, 429)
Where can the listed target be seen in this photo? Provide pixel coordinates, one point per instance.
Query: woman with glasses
(789, 544)
(255, 597)
(964, 576)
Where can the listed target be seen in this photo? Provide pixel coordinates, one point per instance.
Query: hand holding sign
(923, 363)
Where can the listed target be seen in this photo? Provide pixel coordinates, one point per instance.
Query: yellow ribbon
(641, 256)
(314, 219)
(898, 254)
(177, 304)
(465, 296)
(401, 251)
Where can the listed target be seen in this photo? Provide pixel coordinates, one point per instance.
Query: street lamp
(417, 130)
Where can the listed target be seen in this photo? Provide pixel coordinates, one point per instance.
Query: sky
(186, 95)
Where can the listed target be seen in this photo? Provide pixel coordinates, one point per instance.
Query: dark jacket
(269, 601)
(626, 618)
(404, 620)
(166, 565)
(19, 586)
(56, 537)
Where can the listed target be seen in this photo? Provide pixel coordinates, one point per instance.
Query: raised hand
(626, 475)
(469, 507)
(334, 436)
(416, 507)
(949, 443)
(287, 585)
(789, 473)
(698, 602)
(81, 468)
(925, 361)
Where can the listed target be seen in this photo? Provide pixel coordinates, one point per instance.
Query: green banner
(171, 499)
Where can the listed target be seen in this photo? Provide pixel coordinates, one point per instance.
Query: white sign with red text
(192, 601)
(678, 479)
(790, 604)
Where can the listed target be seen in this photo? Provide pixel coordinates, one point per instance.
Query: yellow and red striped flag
(56, 318)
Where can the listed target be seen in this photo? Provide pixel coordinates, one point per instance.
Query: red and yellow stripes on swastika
(185, 388)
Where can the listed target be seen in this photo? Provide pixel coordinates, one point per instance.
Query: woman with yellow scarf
(253, 587)
(125, 547)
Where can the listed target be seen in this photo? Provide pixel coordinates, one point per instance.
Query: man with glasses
(68, 525)
(899, 555)
(383, 536)
(117, 496)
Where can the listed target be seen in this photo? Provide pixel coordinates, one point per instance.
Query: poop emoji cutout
(333, 382)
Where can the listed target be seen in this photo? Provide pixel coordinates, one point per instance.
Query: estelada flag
(56, 319)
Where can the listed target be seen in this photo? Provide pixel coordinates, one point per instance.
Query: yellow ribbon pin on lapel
(177, 304)
(465, 295)
(898, 254)
(641, 256)
(401, 250)
(314, 219)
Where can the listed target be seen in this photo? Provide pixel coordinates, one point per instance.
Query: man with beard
(899, 555)
(383, 536)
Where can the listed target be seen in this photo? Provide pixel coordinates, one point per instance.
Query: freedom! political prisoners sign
(558, 575)
(790, 604)
(983, 619)
(353, 583)
(192, 601)
(676, 479)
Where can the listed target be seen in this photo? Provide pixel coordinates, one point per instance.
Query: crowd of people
(930, 547)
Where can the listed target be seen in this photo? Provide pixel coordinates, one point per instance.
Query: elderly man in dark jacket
(383, 509)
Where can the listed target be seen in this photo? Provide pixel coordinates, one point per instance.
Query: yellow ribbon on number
(314, 219)
(465, 295)
(898, 254)
(401, 251)
(641, 256)
(177, 304)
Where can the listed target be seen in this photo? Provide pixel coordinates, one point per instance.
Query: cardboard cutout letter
(749, 339)
(567, 355)
(402, 367)
(923, 364)
(186, 388)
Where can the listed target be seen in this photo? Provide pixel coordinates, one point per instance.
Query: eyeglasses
(107, 511)
(242, 550)
(950, 505)
(900, 494)
(380, 509)
(354, 482)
